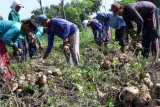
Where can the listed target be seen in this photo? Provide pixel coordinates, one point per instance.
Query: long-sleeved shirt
(138, 12)
(60, 27)
(39, 32)
(9, 31)
(96, 26)
(111, 20)
(14, 16)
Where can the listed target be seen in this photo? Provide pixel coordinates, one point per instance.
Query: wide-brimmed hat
(16, 3)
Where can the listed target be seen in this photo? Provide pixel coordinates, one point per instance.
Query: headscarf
(14, 4)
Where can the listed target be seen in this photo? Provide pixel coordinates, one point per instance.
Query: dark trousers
(121, 36)
(22, 45)
(32, 49)
(150, 36)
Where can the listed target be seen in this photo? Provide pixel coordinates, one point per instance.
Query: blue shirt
(111, 20)
(60, 27)
(9, 31)
(96, 27)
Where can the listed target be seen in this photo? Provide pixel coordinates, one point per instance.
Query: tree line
(75, 11)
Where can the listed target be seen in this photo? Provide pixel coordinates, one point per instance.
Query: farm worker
(116, 22)
(9, 33)
(15, 16)
(144, 14)
(32, 39)
(97, 29)
(67, 31)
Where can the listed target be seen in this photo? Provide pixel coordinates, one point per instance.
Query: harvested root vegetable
(21, 82)
(49, 72)
(144, 75)
(144, 97)
(14, 86)
(57, 72)
(147, 75)
(22, 77)
(148, 82)
(47, 62)
(33, 81)
(124, 58)
(60, 78)
(66, 48)
(100, 94)
(106, 65)
(39, 68)
(157, 85)
(101, 56)
(112, 88)
(43, 80)
(129, 94)
(28, 77)
(27, 66)
(39, 74)
(19, 91)
(139, 46)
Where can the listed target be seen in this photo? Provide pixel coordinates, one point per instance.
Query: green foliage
(53, 11)
(73, 16)
(85, 7)
(124, 2)
(1, 18)
(76, 11)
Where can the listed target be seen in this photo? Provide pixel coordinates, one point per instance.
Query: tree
(73, 16)
(63, 12)
(40, 3)
(85, 7)
(76, 11)
(36, 12)
(1, 18)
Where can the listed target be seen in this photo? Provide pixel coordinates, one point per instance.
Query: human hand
(65, 41)
(19, 51)
(41, 47)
